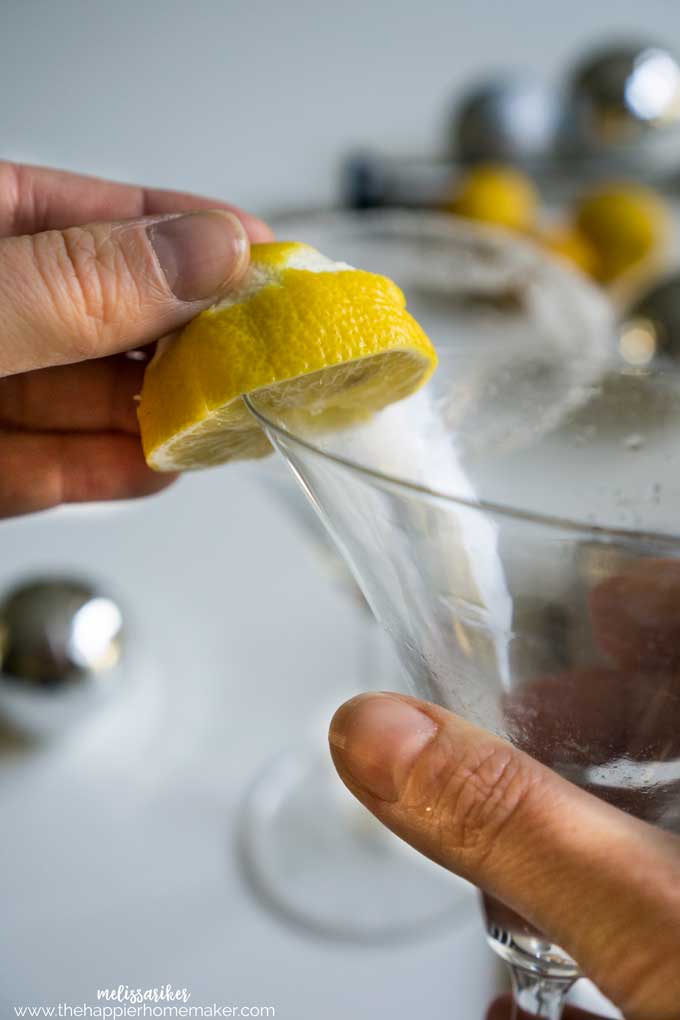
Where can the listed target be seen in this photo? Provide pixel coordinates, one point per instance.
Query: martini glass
(502, 522)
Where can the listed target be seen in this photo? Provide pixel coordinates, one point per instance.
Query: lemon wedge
(305, 334)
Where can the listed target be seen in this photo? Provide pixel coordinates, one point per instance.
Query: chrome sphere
(620, 94)
(61, 642)
(515, 119)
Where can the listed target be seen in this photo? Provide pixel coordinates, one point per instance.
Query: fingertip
(140, 480)
(150, 482)
(201, 253)
(375, 740)
(108, 467)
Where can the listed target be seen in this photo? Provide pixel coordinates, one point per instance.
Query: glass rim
(386, 480)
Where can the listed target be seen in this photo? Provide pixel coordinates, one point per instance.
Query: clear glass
(502, 522)
(312, 852)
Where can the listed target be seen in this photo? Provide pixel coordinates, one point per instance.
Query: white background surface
(117, 858)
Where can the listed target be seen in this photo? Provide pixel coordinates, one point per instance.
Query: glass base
(525, 947)
(322, 861)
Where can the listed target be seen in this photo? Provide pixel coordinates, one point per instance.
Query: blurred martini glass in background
(312, 852)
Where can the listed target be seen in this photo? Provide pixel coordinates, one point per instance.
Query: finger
(35, 198)
(603, 885)
(502, 1009)
(636, 616)
(87, 292)
(94, 396)
(39, 471)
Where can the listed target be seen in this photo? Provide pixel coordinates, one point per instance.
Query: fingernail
(376, 739)
(200, 252)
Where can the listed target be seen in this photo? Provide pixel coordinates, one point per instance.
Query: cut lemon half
(307, 335)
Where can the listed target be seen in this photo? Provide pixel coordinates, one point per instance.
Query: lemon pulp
(309, 336)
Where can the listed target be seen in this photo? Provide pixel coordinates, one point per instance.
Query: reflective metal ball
(61, 642)
(515, 119)
(651, 329)
(620, 94)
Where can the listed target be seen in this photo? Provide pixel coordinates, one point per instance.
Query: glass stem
(536, 996)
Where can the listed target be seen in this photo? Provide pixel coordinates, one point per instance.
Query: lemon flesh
(308, 336)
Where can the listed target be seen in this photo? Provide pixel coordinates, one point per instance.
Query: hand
(605, 885)
(89, 270)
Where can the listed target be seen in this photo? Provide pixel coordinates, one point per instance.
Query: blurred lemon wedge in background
(627, 224)
(307, 335)
(495, 194)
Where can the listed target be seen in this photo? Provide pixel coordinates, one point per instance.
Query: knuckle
(478, 800)
(89, 284)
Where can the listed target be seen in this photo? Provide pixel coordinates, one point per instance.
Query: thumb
(86, 292)
(600, 883)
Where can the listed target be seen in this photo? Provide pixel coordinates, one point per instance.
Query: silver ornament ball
(61, 641)
(620, 94)
(513, 119)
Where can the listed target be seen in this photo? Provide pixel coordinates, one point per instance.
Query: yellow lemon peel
(306, 334)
